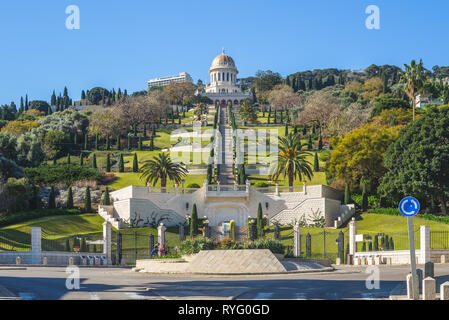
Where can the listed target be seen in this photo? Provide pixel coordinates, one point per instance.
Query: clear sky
(125, 43)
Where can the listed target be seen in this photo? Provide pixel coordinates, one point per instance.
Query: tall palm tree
(161, 167)
(413, 79)
(292, 159)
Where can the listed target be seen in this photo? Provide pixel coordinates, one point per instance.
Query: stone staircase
(226, 168)
(107, 212)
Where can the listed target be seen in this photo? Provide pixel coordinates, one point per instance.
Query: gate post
(107, 242)
(297, 241)
(161, 235)
(352, 243)
(36, 245)
(424, 244)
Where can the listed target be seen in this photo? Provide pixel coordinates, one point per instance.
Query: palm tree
(161, 167)
(413, 79)
(201, 109)
(292, 159)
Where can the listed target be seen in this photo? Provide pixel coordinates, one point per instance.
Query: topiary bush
(274, 246)
(195, 246)
(193, 186)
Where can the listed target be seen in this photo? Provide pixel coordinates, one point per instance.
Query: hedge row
(395, 212)
(195, 246)
(35, 214)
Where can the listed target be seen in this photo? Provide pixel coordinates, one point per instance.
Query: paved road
(34, 283)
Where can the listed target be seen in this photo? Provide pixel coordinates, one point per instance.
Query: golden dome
(223, 61)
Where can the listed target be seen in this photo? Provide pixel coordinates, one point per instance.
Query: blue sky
(125, 43)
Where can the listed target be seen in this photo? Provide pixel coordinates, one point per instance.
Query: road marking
(94, 296)
(264, 295)
(135, 296)
(367, 296)
(27, 295)
(301, 296)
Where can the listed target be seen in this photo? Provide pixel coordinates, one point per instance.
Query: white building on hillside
(161, 82)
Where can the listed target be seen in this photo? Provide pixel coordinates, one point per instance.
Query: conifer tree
(129, 142)
(320, 144)
(107, 199)
(135, 163)
(81, 159)
(70, 198)
(119, 147)
(87, 201)
(259, 222)
(140, 143)
(52, 198)
(68, 158)
(347, 194)
(108, 144)
(67, 245)
(310, 144)
(316, 163)
(108, 163)
(152, 143)
(94, 161)
(194, 221)
(86, 140)
(121, 164)
(96, 142)
(364, 198)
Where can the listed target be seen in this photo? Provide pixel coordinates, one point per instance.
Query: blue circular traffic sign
(409, 206)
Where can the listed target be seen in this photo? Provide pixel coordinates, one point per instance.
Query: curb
(242, 274)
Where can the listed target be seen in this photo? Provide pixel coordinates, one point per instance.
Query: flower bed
(189, 247)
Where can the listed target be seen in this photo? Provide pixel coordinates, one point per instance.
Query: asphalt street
(49, 283)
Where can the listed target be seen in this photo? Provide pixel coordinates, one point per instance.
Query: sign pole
(411, 238)
(409, 207)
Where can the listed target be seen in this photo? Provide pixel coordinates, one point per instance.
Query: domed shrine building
(223, 88)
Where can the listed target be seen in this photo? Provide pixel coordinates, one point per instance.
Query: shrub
(195, 246)
(325, 155)
(261, 184)
(61, 174)
(274, 246)
(193, 185)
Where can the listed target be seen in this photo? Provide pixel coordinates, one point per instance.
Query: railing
(439, 240)
(280, 189)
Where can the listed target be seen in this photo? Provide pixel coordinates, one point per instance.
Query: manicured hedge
(195, 246)
(61, 174)
(35, 214)
(395, 212)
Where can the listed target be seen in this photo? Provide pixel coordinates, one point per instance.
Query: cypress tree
(87, 201)
(259, 221)
(135, 163)
(376, 243)
(304, 131)
(309, 144)
(52, 198)
(94, 162)
(316, 164)
(286, 129)
(108, 145)
(68, 158)
(83, 245)
(118, 142)
(391, 243)
(108, 163)
(320, 144)
(364, 246)
(96, 141)
(86, 139)
(135, 130)
(121, 164)
(347, 194)
(107, 199)
(153, 133)
(387, 243)
(81, 159)
(70, 198)
(140, 143)
(152, 143)
(364, 198)
(370, 246)
(295, 130)
(194, 222)
(129, 142)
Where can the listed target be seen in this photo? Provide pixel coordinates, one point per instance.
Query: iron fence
(72, 243)
(15, 240)
(439, 240)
